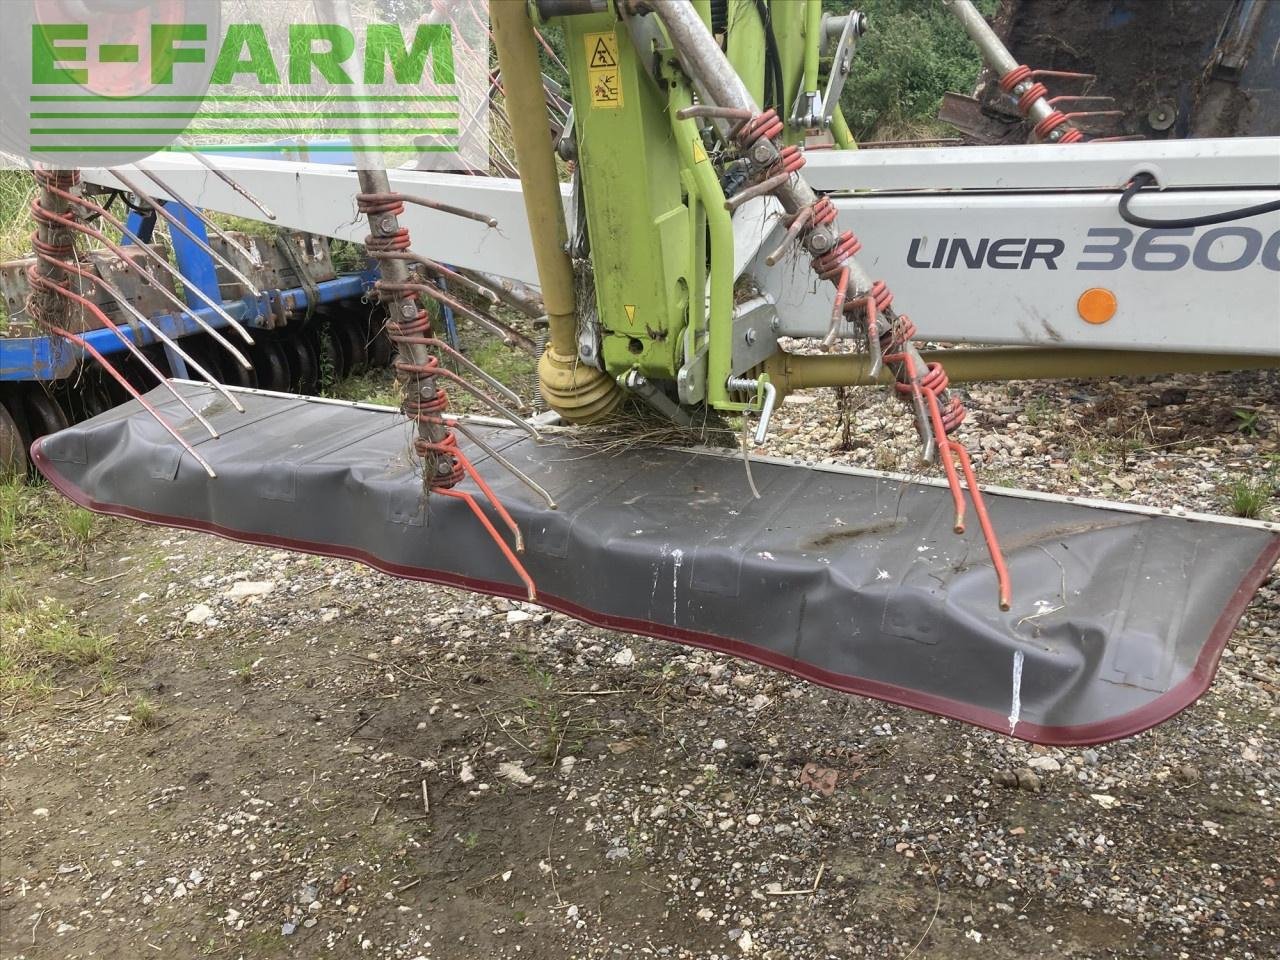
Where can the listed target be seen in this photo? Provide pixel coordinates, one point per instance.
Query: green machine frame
(660, 236)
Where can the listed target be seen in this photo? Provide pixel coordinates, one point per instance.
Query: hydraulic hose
(1142, 180)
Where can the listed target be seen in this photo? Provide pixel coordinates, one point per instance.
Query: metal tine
(1054, 101)
(480, 372)
(479, 394)
(511, 292)
(493, 325)
(168, 268)
(229, 181)
(133, 392)
(119, 252)
(833, 331)
(1094, 113)
(439, 268)
(447, 208)
(875, 348)
(924, 425)
(515, 471)
(132, 347)
(231, 241)
(758, 190)
(711, 110)
(871, 323)
(474, 506)
(120, 335)
(1064, 75)
(798, 223)
(173, 221)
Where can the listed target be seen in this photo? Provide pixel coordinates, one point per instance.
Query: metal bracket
(755, 333)
(567, 142)
(648, 39)
(589, 334)
(855, 25)
(805, 114)
(652, 394)
(691, 380)
(579, 249)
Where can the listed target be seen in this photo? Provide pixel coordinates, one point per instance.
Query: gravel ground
(335, 763)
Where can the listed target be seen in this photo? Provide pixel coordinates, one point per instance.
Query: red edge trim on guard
(1167, 705)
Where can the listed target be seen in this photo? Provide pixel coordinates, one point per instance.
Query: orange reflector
(1096, 305)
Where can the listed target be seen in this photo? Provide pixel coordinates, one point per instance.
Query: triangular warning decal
(602, 56)
(631, 311)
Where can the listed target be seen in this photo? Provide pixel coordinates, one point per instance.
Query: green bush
(913, 52)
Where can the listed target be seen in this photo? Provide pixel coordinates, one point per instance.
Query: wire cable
(1142, 180)
(774, 90)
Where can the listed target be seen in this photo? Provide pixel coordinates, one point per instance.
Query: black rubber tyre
(380, 347)
(304, 364)
(13, 451)
(208, 354)
(235, 374)
(43, 414)
(270, 364)
(351, 330)
(87, 396)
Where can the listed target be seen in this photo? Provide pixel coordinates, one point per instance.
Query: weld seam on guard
(1190, 689)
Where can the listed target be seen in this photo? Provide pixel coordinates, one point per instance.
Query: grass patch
(245, 670)
(143, 715)
(505, 363)
(17, 187)
(1249, 497)
(1038, 411)
(512, 367)
(37, 524)
(376, 386)
(40, 644)
(508, 365)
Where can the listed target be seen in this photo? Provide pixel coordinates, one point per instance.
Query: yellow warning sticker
(602, 70)
(699, 154)
(631, 311)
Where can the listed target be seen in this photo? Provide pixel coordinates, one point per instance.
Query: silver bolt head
(819, 241)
